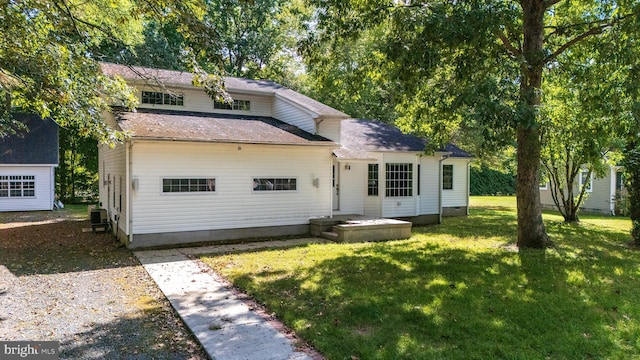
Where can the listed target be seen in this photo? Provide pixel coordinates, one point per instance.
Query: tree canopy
(50, 50)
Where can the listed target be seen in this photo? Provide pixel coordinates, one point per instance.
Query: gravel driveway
(85, 290)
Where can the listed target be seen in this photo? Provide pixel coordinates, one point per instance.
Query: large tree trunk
(531, 231)
(632, 167)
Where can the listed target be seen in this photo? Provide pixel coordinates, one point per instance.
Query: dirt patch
(85, 290)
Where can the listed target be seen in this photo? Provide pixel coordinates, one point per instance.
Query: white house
(604, 195)
(27, 163)
(196, 170)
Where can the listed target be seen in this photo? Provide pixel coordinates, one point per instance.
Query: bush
(485, 181)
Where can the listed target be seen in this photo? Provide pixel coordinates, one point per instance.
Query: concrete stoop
(354, 228)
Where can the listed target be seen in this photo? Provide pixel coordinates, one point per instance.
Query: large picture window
(275, 184)
(447, 177)
(399, 180)
(12, 186)
(372, 180)
(181, 185)
(244, 105)
(159, 98)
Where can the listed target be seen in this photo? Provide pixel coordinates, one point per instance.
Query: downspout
(442, 158)
(128, 195)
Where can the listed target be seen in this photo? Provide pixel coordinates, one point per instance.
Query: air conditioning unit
(99, 220)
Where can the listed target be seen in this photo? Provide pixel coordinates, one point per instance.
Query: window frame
(236, 105)
(278, 188)
(189, 186)
(444, 177)
(402, 181)
(373, 180)
(161, 98)
(9, 186)
(581, 181)
(620, 179)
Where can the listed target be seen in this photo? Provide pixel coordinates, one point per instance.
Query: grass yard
(459, 290)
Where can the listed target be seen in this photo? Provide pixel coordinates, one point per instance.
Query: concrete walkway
(223, 323)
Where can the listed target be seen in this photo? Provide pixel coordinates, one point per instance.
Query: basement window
(275, 184)
(182, 185)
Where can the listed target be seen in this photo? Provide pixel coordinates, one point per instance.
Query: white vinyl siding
(235, 204)
(429, 186)
(600, 197)
(458, 195)
(113, 182)
(330, 128)
(291, 114)
(43, 194)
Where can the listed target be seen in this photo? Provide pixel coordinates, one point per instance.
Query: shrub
(485, 181)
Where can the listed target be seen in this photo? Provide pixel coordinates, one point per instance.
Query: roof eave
(214, 141)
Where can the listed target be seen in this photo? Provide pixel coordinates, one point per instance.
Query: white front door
(336, 185)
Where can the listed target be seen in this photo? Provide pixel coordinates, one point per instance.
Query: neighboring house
(605, 195)
(27, 162)
(196, 170)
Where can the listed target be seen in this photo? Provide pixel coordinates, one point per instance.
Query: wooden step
(329, 235)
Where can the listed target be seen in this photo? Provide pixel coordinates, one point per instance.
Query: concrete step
(329, 235)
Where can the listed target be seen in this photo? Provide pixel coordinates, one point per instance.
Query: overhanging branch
(506, 43)
(598, 29)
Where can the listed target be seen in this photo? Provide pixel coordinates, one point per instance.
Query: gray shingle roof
(210, 127)
(370, 135)
(38, 146)
(233, 84)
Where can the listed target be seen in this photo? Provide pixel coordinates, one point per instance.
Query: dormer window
(159, 98)
(244, 105)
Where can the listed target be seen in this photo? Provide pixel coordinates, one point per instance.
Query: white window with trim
(17, 186)
(372, 180)
(398, 179)
(586, 179)
(160, 98)
(274, 184)
(188, 185)
(243, 105)
(543, 183)
(447, 177)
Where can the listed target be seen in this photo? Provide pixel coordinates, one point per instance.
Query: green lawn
(459, 290)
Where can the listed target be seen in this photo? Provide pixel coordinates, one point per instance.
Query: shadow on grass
(419, 299)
